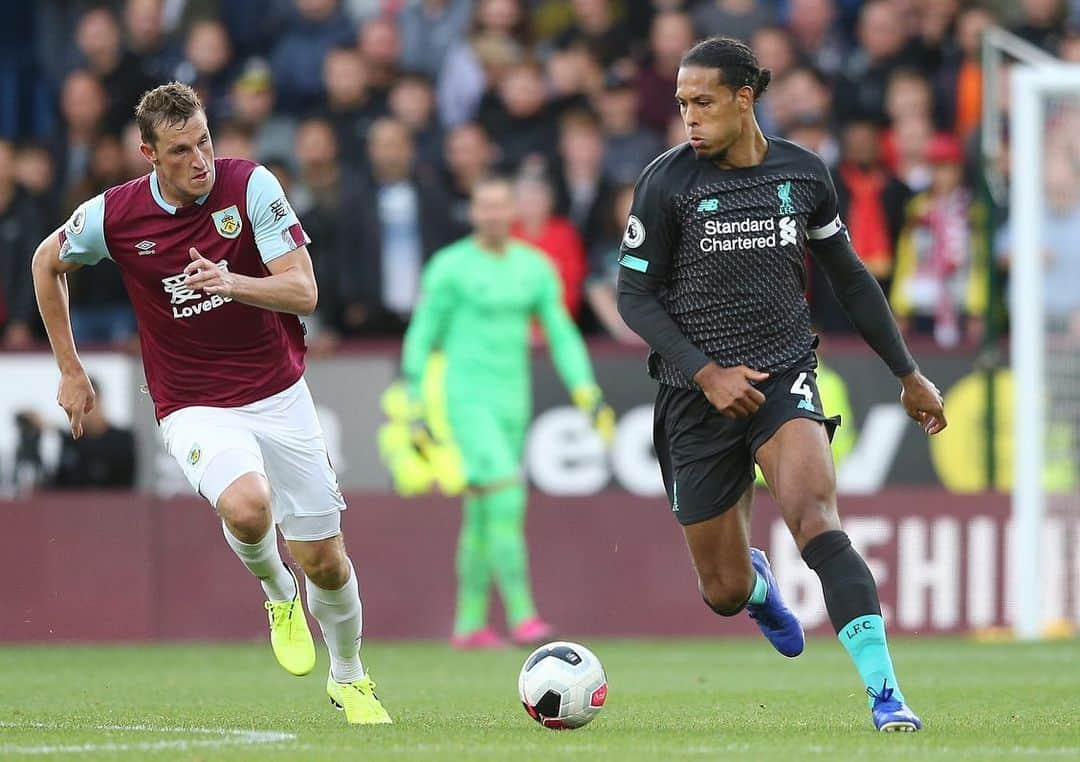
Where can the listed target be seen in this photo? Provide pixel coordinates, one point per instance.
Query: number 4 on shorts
(802, 389)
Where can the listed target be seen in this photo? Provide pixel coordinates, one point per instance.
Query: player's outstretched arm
(75, 394)
(290, 286)
(865, 304)
(429, 319)
(571, 358)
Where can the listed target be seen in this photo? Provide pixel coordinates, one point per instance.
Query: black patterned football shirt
(729, 247)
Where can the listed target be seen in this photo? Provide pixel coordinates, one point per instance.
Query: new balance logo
(146, 248)
(179, 293)
(789, 231)
(708, 205)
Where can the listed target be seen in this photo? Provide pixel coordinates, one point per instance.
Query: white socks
(263, 560)
(341, 618)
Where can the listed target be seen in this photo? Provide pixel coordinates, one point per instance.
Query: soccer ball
(562, 685)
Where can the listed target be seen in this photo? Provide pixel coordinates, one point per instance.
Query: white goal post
(1039, 94)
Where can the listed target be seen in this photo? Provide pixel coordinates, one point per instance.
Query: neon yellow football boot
(358, 700)
(289, 634)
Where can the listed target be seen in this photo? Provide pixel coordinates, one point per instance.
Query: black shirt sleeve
(855, 288)
(645, 259)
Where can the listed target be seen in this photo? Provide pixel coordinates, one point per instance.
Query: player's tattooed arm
(290, 286)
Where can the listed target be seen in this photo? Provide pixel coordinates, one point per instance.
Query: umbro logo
(146, 248)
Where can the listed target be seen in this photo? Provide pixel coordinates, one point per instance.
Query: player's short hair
(736, 61)
(170, 104)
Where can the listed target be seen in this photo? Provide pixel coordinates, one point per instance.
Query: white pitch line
(224, 737)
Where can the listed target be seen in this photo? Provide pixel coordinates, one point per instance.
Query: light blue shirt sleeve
(83, 239)
(275, 225)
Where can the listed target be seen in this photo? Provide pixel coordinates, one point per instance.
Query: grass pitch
(668, 700)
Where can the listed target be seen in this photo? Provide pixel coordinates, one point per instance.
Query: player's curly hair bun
(735, 60)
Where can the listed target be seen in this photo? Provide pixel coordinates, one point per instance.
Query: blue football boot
(890, 715)
(777, 622)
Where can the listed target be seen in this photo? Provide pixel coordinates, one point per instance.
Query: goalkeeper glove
(590, 401)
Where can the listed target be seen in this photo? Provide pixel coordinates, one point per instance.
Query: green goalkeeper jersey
(478, 307)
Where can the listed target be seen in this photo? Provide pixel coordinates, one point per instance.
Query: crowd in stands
(378, 116)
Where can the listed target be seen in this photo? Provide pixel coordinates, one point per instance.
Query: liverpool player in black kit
(713, 276)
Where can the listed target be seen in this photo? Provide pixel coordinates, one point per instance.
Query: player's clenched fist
(204, 275)
(730, 390)
(922, 401)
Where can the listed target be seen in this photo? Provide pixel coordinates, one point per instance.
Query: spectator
(120, 73)
(1060, 232)
(526, 130)
(21, 228)
(234, 140)
(574, 76)
(960, 83)
(813, 27)
(144, 30)
(319, 195)
(297, 59)
(911, 137)
(538, 225)
(251, 105)
(497, 39)
(628, 146)
(412, 101)
(800, 94)
(883, 47)
(603, 266)
(871, 201)
(380, 47)
(583, 191)
(740, 19)
(429, 28)
(775, 49)
(133, 162)
(596, 29)
(83, 105)
(100, 309)
(403, 217)
(812, 132)
(670, 36)
(1041, 23)
(35, 171)
(351, 107)
(207, 64)
(938, 283)
(104, 456)
(470, 156)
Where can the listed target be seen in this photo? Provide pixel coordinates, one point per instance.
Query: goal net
(1043, 246)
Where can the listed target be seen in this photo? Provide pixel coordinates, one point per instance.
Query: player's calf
(727, 595)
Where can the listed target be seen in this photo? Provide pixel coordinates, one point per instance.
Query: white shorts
(278, 437)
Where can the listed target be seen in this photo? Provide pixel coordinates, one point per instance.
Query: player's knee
(814, 519)
(726, 596)
(245, 508)
(327, 568)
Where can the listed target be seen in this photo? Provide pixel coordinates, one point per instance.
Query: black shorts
(707, 460)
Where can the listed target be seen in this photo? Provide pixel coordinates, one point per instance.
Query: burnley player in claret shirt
(216, 265)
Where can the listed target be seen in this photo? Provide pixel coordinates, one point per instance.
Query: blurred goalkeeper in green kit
(478, 299)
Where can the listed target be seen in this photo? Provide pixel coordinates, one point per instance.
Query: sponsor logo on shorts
(194, 455)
